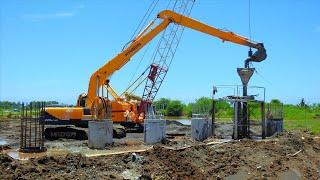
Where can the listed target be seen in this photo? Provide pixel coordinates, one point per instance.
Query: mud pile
(292, 154)
(67, 167)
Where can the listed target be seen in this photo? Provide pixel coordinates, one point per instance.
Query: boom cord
(142, 21)
(139, 64)
(266, 80)
(250, 20)
(138, 29)
(249, 25)
(130, 85)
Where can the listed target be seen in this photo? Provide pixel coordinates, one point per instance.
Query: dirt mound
(174, 122)
(298, 152)
(293, 153)
(69, 166)
(176, 127)
(4, 147)
(5, 158)
(167, 164)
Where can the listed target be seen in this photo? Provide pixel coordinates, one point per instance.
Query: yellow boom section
(98, 78)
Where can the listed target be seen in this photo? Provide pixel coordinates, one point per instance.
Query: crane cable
(142, 22)
(131, 84)
(145, 18)
(263, 78)
(249, 20)
(137, 30)
(250, 38)
(249, 25)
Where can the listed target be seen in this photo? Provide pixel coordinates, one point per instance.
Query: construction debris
(244, 158)
(177, 158)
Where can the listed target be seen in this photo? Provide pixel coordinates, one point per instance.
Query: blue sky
(50, 48)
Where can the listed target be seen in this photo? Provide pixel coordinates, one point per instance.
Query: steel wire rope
(140, 26)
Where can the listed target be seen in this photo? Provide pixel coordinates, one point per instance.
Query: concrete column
(154, 130)
(199, 129)
(100, 134)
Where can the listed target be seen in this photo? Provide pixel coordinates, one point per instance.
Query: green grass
(302, 118)
(11, 114)
(295, 118)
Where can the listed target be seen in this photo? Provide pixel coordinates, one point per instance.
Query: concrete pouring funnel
(245, 74)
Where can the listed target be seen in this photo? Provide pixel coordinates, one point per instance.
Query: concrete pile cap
(245, 74)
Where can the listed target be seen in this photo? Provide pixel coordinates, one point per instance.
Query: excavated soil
(288, 156)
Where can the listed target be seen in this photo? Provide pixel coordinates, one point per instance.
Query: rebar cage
(32, 128)
(274, 118)
(235, 116)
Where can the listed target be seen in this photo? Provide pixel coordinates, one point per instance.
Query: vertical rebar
(263, 121)
(25, 125)
(29, 119)
(32, 128)
(42, 124)
(213, 116)
(36, 121)
(248, 121)
(235, 120)
(21, 126)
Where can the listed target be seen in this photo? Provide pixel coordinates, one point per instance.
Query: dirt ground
(293, 155)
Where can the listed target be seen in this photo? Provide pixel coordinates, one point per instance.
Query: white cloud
(56, 15)
(39, 17)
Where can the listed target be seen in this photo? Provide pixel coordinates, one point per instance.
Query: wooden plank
(118, 152)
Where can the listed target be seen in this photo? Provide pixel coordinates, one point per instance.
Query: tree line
(203, 105)
(224, 109)
(8, 105)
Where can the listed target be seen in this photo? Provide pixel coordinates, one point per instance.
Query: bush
(9, 115)
(187, 110)
(175, 108)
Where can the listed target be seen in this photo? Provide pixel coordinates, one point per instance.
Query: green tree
(162, 105)
(275, 101)
(187, 110)
(223, 109)
(175, 108)
(255, 110)
(203, 105)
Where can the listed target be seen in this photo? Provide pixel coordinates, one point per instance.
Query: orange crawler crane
(95, 104)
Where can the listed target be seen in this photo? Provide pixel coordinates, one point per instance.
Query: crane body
(94, 104)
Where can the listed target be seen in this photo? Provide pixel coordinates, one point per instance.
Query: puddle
(3, 142)
(184, 121)
(239, 175)
(15, 154)
(291, 174)
(130, 174)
